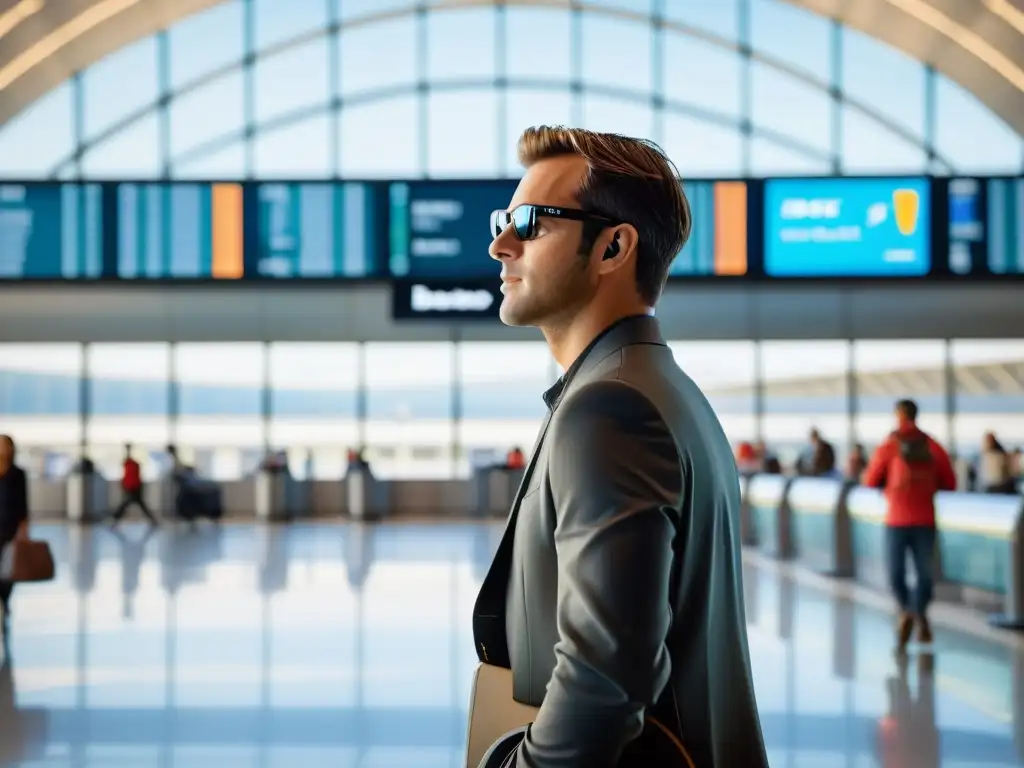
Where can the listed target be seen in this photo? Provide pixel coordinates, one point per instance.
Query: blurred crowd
(994, 469)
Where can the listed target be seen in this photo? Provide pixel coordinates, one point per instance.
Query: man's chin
(514, 316)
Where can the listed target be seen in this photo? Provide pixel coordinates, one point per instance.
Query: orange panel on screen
(227, 231)
(730, 228)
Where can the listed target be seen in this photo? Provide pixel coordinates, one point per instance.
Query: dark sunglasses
(523, 219)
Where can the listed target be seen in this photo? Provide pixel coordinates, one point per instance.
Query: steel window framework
(71, 166)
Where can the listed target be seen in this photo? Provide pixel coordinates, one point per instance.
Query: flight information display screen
(985, 232)
(718, 241)
(847, 227)
(1005, 218)
(442, 229)
(51, 231)
(180, 230)
(315, 230)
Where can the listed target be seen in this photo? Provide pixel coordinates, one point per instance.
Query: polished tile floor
(338, 645)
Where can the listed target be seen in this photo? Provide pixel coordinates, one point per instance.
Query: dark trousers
(919, 540)
(133, 497)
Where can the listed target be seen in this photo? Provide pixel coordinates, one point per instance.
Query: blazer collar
(635, 329)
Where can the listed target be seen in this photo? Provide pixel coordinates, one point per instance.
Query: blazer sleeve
(616, 483)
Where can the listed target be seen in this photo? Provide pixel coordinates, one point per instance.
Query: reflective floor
(333, 645)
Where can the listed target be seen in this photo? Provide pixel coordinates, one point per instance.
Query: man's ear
(616, 247)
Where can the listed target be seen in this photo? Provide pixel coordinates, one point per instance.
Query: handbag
(26, 560)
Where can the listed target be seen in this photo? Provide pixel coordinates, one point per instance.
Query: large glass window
(220, 396)
(278, 22)
(133, 152)
(699, 74)
(409, 408)
(776, 25)
(378, 55)
(39, 137)
(41, 395)
(702, 149)
(989, 396)
(300, 150)
(129, 398)
(726, 371)
(363, 129)
(211, 111)
(804, 386)
(408, 82)
(887, 80)
(293, 80)
(808, 113)
(500, 388)
(206, 42)
(462, 130)
(627, 64)
(313, 405)
(131, 73)
(887, 371)
(971, 137)
(471, 32)
(541, 50)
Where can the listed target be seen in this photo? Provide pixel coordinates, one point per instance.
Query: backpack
(915, 462)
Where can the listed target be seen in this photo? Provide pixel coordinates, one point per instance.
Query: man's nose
(505, 246)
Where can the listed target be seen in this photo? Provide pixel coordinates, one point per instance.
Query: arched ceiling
(976, 43)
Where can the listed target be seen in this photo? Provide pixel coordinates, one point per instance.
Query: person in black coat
(13, 511)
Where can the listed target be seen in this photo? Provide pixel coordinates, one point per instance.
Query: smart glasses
(523, 219)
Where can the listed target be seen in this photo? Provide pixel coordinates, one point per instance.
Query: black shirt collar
(554, 394)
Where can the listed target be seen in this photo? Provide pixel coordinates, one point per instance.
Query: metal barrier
(766, 501)
(820, 524)
(867, 507)
(368, 497)
(981, 543)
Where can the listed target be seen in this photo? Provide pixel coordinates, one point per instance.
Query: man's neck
(568, 341)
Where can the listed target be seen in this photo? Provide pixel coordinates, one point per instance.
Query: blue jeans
(919, 540)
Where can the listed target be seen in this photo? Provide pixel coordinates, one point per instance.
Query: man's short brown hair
(630, 181)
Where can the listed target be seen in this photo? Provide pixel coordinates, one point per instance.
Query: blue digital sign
(847, 227)
(315, 230)
(50, 231)
(442, 229)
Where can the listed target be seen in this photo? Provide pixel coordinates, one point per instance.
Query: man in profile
(616, 591)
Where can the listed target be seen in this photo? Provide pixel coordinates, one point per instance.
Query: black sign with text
(445, 299)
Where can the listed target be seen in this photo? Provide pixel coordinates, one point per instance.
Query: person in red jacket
(131, 487)
(911, 467)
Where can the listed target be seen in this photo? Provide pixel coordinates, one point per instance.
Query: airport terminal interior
(248, 240)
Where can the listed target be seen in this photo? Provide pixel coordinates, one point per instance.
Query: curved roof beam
(979, 45)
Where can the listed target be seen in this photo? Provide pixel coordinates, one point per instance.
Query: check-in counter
(866, 507)
(368, 498)
(820, 525)
(495, 489)
(88, 497)
(47, 499)
(980, 548)
(430, 498)
(766, 500)
(277, 496)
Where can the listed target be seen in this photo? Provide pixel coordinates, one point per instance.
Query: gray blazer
(617, 587)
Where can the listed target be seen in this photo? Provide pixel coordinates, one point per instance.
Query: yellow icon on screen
(906, 205)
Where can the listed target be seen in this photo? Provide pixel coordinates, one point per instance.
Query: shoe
(904, 628)
(924, 631)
